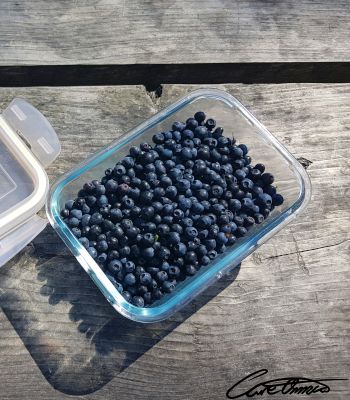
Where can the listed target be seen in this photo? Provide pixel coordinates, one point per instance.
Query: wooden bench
(286, 309)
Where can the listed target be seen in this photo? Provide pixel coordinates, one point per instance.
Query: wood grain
(287, 310)
(40, 32)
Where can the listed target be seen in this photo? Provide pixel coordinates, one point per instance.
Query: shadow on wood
(76, 338)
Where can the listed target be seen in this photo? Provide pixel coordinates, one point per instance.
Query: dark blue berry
(244, 148)
(210, 123)
(267, 178)
(199, 116)
(92, 251)
(277, 199)
(148, 252)
(212, 254)
(138, 301)
(84, 241)
(145, 278)
(173, 238)
(180, 249)
(129, 279)
(168, 286)
(127, 296)
(191, 232)
(260, 167)
(191, 270)
(77, 232)
(73, 222)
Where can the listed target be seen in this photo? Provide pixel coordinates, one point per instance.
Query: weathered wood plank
(19, 373)
(142, 32)
(287, 310)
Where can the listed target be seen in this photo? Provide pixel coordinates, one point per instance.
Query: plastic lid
(28, 143)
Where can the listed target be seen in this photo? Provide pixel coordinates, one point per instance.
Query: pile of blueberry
(167, 209)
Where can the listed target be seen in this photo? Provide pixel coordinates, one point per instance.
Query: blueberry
(240, 174)
(177, 228)
(244, 149)
(210, 244)
(92, 251)
(145, 279)
(190, 257)
(75, 213)
(132, 290)
(204, 222)
(176, 136)
(102, 246)
(201, 132)
(114, 266)
(163, 229)
(260, 167)
(84, 241)
(157, 294)
(77, 232)
(161, 276)
(191, 270)
(168, 219)
(183, 185)
(199, 116)
(174, 271)
(119, 170)
(178, 126)
(147, 240)
(205, 260)
(221, 238)
(163, 253)
(187, 134)
(197, 208)
(168, 286)
(203, 194)
(138, 301)
(173, 238)
(267, 178)
(147, 297)
(247, 184)
(96, 219)
(248, 221)
(259, 218)
(191, 123)
(111, 186)
(187, 222)
(64, 213)
(158, 138)
(264, 199)
(129, 267)
(171, 192)
(102, 258)
(73, 222)
(127, 296)
(241, 231)
(129, 279)
(212, 254)
(180, 249)
(277, 199)
(69, 204)
(191, 232)
(271, 190)
(148, 252)
(210, 124)
(184, 203)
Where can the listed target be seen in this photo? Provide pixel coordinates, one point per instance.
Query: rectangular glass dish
(290, 178)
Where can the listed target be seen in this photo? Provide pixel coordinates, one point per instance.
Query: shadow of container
(75, 337)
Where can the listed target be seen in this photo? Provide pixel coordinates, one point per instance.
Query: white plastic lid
(28, 143)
